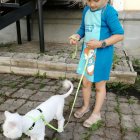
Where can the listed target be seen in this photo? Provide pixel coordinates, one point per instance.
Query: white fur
(52, 108)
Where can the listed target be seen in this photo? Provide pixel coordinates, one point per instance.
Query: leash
(42, 116)
(77, 92)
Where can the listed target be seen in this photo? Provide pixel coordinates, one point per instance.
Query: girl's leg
(100, 96)
(86, 92)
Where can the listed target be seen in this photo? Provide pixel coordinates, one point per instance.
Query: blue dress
(99, 25)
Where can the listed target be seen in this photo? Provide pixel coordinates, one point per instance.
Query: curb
(33, 64)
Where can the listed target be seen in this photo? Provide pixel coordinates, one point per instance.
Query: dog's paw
(60, 130)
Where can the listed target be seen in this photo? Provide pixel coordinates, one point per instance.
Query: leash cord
(77, 92)
(42, 117)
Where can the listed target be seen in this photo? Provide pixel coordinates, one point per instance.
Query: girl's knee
(87, 84)
(100, 87)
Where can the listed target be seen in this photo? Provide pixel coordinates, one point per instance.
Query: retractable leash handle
(76, 47)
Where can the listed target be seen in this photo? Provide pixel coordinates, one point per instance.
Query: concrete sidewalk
(121, 116)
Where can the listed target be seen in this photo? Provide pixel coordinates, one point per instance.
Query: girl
(100, 28)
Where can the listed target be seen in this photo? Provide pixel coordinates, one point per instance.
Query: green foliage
(2, 45)
(136, 62)
(125, 89)
(116, 60)
(131, 101)
(136, 129)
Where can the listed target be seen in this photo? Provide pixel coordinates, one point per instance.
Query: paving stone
(112, 120)
(127, 122)
(3, 138)
(10, 91)
(113, 133)
(28, 79)
(49, 133)
(69, 101)
(135, 108)
(50, 88)
(23, 93)
(137, 120)
(12, 77)
(32, 86)
(96, 137)
(100, 132)
(46, 80)
(11, 104)
(67, 134)
(111, 96)
(111, 105)
(104, 107)
(27, 107)
(37, 81)
(79, 102)
(131, 136)
(79, 131)
(41, 96)
(123, 99)
(2, 117)
(125, 108)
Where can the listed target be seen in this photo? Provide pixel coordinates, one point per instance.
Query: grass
(4, 45)
(116, 60)
(131, 101)
(126, 90)
(136, 129)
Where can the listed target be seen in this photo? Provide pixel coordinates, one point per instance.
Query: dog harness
(42, 118)
(35, 120)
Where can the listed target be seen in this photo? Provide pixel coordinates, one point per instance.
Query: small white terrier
(16, 124)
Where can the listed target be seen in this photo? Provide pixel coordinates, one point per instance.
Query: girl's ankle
(97, 113)
(85, 107)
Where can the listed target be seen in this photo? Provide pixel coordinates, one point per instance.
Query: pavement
(120, 114)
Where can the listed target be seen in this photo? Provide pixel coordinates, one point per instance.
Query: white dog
(16, 124)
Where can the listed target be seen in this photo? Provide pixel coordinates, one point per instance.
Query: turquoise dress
(99, 25)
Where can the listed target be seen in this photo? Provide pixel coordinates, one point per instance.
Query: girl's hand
(93, 44)
(74, 39)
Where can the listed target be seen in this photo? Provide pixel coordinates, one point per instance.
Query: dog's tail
(68, 84)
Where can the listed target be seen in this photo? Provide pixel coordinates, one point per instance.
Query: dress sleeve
(81, 30)
(113, 22)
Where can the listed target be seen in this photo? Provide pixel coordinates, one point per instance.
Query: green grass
(3, 45)
(131, 101)
(116, 60)
(136, 129)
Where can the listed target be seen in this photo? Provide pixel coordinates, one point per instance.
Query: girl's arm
(114, 39)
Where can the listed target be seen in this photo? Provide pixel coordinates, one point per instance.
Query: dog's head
(12, 127)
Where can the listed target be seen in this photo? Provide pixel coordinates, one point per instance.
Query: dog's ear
(6, 113)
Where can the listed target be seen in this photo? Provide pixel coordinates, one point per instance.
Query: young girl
(101, 29)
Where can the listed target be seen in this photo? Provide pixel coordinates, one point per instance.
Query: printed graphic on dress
(91, 56)
(89, 28)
